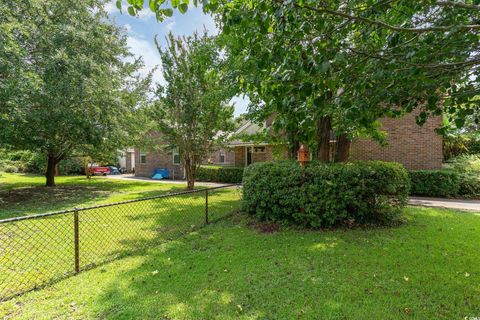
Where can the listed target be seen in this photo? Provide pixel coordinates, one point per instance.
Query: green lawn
(25, 194)
(34, 252)
(427, 268)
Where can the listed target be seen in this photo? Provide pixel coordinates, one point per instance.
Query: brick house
(416, 147)
(146, 161)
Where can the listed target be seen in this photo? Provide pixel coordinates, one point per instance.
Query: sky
(141, 32)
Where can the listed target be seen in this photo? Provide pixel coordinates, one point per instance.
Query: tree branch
(382, 24)
(457, 4)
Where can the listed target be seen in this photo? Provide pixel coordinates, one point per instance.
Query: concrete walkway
(168, 181)
(469, 205)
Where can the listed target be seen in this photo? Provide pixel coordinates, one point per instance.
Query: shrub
(8, 168)
(461, 144)
(469, 186)
(33, 162)
(220, 174)
(468, 168)
(71, 166)
(435, 183)
(326, 195)
(465, 164)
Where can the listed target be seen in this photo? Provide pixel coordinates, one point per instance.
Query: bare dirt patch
(265, 227)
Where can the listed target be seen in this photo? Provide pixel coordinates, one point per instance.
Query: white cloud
(170, 23)
(127, 27)
(145, 14)
(151, 58)
(111, 8)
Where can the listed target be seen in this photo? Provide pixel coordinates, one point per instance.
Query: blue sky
(142, 30)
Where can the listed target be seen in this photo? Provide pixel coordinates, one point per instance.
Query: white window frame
(143, 157)
(176, 152)
(222, 155)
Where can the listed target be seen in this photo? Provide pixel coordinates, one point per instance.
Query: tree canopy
(192, 110)
(347, 63)
(66, 86)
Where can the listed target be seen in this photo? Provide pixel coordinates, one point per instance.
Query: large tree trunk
(324, 127)
(343, 148)
(52, 162)
(190, 172)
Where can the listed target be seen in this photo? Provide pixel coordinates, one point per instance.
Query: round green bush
(322, 195)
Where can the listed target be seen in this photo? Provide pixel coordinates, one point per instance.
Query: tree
(192, 111)
(66, 87)
(332, 73)
(348, 63)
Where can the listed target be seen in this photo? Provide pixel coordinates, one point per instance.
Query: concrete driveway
(469, 205)
(143, 179)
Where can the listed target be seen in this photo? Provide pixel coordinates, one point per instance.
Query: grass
(426, 268)
(25, 194)
(38, 251)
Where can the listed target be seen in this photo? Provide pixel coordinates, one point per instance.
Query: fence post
(206, 206)
(77, 240)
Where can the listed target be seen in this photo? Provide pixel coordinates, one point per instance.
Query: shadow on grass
(112, 232)
(29, 197)
(36, 252)
(230, 271)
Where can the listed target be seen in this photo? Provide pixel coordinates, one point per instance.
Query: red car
(100, 171)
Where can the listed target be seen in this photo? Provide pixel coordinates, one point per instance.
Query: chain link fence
(40, 249)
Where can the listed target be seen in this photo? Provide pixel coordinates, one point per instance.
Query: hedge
(326, 195)
(469, 186)
(220, 174)
(435, 183)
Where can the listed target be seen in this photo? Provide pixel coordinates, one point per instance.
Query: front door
(249, 155)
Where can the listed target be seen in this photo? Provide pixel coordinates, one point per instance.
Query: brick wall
(215, 157)
(128, 160)
(416, 147)
(157, 159)
(164, 159)
(239, 153)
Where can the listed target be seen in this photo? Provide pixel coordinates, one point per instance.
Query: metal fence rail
(40, 249)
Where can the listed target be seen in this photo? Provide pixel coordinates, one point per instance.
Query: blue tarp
(160, 173)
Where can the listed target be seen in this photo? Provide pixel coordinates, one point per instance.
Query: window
(222, 156)
(176, 155)
(259, 149)
(143, 157)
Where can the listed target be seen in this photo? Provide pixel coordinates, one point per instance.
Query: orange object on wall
(303, 155)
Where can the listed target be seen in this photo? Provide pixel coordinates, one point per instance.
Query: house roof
(248, 128)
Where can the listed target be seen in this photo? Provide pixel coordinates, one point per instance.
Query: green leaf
(175, 3)
(119, 5)
(183, 8)
(459, 122)
(325, 66)
(153, 5)
(168, 12)
(131, 11)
